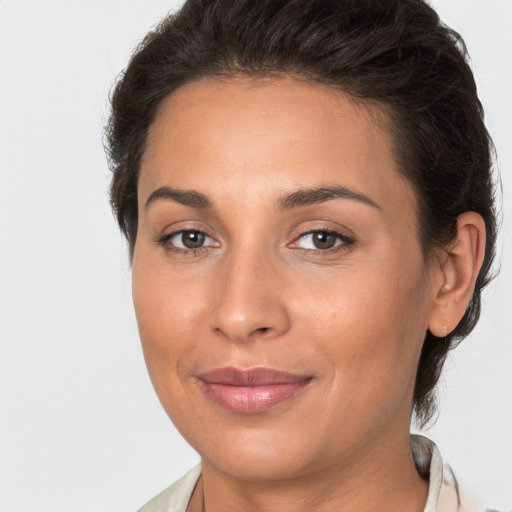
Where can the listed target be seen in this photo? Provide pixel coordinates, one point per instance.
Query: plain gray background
(80, 427)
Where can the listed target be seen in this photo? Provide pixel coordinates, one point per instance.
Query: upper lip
(230, 376)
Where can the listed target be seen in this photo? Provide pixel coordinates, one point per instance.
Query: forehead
(234, 134)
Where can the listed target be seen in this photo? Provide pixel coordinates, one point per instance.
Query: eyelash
(346, 242)
(163, 241)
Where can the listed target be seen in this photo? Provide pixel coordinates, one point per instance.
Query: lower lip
(252, 399)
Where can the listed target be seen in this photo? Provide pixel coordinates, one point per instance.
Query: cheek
(168, 311)
(371, 328)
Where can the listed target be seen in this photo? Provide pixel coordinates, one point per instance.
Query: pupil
(324, 240)
(192, 239)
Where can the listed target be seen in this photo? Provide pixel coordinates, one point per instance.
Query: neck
(382, 478)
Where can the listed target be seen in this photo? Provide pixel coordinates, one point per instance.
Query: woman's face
(279, 284)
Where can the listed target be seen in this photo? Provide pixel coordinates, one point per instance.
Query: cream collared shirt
(443, 493)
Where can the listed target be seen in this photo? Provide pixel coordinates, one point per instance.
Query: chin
(256, 465)
(258, 454)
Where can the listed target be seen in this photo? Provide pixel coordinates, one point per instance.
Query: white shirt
(443, 492)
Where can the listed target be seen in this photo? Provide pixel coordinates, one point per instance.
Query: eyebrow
(296, 199)
(309, 196)
(190, 198)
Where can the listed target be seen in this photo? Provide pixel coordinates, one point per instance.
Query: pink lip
(251, 391)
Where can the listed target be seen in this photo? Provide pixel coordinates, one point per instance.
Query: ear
(456, 275)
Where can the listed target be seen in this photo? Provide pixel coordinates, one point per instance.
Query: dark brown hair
(394, 52)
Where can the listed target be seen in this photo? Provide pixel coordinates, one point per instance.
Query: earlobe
(459, 270)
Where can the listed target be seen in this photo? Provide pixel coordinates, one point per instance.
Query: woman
(305, 187)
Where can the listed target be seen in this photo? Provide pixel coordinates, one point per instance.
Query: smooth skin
(331, 286)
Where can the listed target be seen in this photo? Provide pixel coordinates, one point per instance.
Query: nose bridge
(250, 301)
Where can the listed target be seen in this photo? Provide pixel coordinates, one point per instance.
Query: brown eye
(192, 239)
(187, 240)
(324, 239)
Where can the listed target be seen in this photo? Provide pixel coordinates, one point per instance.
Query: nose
(251, 299)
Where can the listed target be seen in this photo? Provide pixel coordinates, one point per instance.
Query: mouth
(251, 391)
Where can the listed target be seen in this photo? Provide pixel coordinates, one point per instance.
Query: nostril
(260, 330)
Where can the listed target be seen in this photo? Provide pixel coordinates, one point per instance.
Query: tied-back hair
(394, 53)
